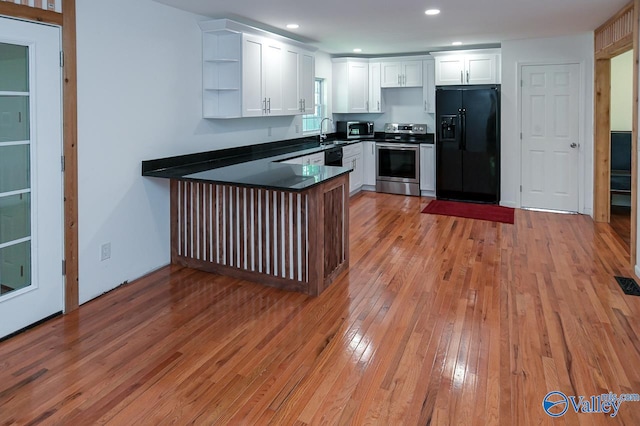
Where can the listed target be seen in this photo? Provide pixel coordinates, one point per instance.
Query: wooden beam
(70, 134)
(634, 137)
(31, 13)
(601, 162)
(624, 45)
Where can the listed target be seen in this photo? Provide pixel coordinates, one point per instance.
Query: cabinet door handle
(269, 105)
(264, 105)
(404, 80)
(378, 105)
(399, 80)
(467, 77)
(304, 105)
(425, 105)
(461, 77)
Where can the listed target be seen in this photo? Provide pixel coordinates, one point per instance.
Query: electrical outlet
(105, 251)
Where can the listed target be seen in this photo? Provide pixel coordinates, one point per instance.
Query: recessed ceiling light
(293, 26)
(456, 43)
(357, 50)
(432, 11)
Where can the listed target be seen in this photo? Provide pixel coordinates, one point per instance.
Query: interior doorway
(621, 123)
(616, 36)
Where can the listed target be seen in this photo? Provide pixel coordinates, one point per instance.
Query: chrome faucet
(323, 136)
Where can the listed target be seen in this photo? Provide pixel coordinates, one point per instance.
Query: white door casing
(43, 294)
(550, 127)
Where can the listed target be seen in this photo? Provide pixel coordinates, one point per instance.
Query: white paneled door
(550, 136)
(31, 224)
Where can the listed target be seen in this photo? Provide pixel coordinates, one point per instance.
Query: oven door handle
(399, 146)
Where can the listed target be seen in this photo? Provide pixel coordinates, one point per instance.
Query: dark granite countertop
(254, 165)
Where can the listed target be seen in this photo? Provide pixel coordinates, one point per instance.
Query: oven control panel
(408, 129)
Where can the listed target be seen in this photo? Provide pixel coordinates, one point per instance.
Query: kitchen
(249, 72)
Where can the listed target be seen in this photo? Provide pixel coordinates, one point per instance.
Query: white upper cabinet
(306, 82)
(358, 83)
(291, 78)
(298, 81)
(429, 88)
(262, 77)
(468, 67)
(449, 70)
(358, 87)
(254, 102)
(350, 86)
(375, 89)
(249, 72)
(402, 74)
(482, 69)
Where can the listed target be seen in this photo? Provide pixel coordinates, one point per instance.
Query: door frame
(582, 89)
(602, 125)
(66, 20)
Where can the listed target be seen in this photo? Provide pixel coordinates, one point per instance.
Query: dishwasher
(333, 156)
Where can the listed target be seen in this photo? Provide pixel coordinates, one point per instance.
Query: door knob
(574, 145)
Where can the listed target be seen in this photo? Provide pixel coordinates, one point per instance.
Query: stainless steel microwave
(355, 129)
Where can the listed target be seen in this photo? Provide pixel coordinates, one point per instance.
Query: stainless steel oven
(398, 158)
(398, 168)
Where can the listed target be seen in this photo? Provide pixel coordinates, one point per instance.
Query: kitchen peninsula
(239, 212)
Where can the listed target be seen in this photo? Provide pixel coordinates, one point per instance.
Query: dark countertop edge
(179, 166)
(276, 188)
(161, 167)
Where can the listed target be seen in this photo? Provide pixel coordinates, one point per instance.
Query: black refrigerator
(468, 143)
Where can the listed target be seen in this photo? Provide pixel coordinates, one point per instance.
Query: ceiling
(381, 27)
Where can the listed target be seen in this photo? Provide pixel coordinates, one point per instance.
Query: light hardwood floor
(439, 320)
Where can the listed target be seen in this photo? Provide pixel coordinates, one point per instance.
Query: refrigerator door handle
(460, 134)
(463, 130)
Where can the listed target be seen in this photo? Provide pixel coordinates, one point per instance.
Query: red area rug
(489, 212)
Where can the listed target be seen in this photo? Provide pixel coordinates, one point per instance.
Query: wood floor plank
(439, 320)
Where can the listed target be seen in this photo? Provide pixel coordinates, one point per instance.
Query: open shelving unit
(221, 74)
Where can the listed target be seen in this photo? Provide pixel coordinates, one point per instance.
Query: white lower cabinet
(314, 159)
(369, 163)
(428, 169)
(352, 157)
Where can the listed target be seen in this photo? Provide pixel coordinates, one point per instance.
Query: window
(311, 122)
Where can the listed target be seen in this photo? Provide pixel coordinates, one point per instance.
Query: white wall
(401, 105)
(622, 92)
(570, 49)
(139, 98)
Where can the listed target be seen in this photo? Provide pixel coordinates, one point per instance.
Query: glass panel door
(15, 173)
(31, 201)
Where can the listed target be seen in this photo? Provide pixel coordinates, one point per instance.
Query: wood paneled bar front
(282, 225)
(292, 240)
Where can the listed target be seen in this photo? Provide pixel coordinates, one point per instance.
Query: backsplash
(401, 105)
